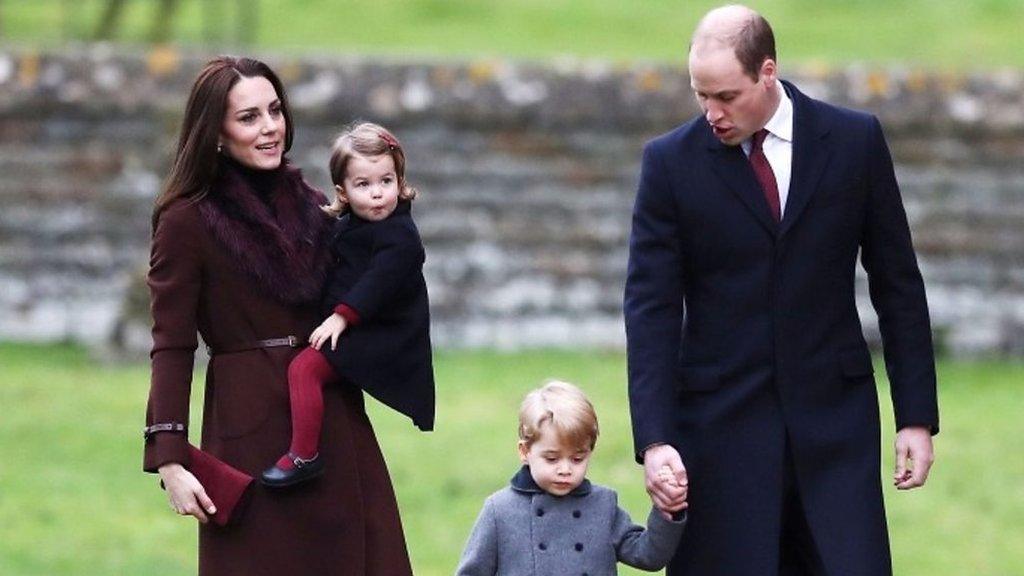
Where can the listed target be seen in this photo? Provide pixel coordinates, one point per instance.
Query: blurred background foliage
(938, 34)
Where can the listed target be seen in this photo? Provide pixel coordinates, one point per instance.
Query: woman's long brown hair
(195, 162)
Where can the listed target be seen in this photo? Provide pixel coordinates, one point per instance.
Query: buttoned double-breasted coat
(524, 531)
(744, 339)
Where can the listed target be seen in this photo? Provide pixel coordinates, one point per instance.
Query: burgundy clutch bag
(226, 485)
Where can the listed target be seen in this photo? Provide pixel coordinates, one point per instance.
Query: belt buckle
(293, 341)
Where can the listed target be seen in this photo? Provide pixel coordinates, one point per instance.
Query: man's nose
(713, 113)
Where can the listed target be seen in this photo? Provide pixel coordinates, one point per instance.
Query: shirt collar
(523, 482)
(781, 123)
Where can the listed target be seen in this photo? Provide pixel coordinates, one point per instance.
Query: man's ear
(769, 70)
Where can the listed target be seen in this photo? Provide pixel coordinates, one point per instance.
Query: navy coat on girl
(378, 272)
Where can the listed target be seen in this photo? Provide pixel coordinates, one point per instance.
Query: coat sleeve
(649, 549)
(480, 558)
(897, 294)
(175, 280)
(397, 255)
(653, 306)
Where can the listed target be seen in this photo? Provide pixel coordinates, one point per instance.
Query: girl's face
(254, 126)
(370, 186)
(558, 469)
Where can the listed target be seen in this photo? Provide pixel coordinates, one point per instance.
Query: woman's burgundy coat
(378, 272)
(227, 267)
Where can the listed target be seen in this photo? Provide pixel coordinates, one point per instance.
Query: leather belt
(290, 341)
(165, 427)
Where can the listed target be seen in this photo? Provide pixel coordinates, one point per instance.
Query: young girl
(377, 332)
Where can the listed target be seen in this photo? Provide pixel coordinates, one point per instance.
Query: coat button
(540, 511)
(579, 547)
(542, 546)
(576, 514)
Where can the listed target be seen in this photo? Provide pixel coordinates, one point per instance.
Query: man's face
(734, 104)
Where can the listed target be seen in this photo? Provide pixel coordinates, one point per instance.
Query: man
(749, 375)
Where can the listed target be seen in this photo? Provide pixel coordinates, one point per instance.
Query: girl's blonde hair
(365, 139)
(565, 409)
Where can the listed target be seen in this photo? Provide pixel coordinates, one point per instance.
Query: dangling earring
(219, 147)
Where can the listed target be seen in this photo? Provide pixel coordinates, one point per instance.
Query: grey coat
(523, 530)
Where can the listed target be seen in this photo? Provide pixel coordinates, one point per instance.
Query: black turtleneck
(263, 182)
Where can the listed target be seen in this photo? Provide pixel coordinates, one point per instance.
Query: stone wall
(527, 173)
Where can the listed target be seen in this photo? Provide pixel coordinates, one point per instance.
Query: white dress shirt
(778, 146)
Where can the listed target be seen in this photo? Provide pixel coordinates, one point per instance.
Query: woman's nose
(270, 124)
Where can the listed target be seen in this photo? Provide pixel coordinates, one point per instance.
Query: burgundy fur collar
(273, 229)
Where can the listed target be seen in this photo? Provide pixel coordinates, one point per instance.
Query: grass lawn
(74, 501)
(968, 34)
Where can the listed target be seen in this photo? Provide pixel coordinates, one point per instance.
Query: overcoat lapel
(811, 152)
(732, 166)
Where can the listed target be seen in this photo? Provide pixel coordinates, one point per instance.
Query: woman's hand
(186, 495)
(330, 329)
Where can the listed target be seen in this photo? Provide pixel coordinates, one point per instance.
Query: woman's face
(254, 126)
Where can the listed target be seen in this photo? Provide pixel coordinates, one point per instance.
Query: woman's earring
(219, 147)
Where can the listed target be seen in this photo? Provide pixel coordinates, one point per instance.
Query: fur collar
(272, 227)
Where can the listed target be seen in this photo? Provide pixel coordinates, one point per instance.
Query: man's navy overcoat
(744, 339)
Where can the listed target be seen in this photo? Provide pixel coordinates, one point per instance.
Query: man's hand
(331, 329)
(668, 497)
(913, 444)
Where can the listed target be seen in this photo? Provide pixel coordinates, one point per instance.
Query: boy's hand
(330, 329)
(665, 475)
(668, 478)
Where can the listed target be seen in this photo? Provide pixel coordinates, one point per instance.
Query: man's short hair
(755, 43)
(565, 409)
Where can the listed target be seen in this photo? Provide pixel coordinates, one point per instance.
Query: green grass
(74, 501)
(938, 34)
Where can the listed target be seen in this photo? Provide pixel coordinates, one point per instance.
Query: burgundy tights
(308, 372)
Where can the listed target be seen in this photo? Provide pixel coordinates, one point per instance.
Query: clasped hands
(665, 479)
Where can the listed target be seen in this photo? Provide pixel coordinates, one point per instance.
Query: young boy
(551, 520)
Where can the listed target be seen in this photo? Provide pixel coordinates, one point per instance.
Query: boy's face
(558, 469)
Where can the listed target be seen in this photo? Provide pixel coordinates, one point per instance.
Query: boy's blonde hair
(365, 139)
(565, 409)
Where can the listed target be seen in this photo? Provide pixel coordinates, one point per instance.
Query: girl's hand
(185, 494)
(330, 329)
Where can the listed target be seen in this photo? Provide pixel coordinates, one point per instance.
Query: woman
(238, 256)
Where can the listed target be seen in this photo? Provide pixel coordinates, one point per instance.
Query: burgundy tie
(764, 173)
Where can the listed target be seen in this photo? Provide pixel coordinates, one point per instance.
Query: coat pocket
(856, 363)
(698, 378)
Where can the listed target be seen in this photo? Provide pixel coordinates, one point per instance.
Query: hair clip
(391, 141)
